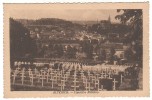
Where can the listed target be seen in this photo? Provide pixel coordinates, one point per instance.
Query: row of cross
(61, 77)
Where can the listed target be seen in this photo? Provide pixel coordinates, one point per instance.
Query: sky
(68, 14)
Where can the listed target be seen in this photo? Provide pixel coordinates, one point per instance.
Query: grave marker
(22, 75)
(114, 84)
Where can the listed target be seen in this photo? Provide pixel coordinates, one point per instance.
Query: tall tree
(133, 17)
(21, 44)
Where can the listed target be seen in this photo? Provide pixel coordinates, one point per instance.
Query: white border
(65, 1)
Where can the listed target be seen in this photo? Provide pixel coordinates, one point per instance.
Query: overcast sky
(75, 15)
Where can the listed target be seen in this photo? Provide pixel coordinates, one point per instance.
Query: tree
(21, 44)
(135, 19)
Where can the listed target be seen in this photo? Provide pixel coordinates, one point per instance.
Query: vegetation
(21, 45)
(134, 18)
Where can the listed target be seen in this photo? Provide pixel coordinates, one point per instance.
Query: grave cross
(87, 85)
(75, 86)
(55, 75)
(14, 76)
(62, 84)
(97, 75)
(47, 77)
(90, 75)
(105, 75)
(22, 75)
(114, 84)
(52, 81)
(42, 78)
(31, 79)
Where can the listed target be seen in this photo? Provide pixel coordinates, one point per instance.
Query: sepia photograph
(75, 50)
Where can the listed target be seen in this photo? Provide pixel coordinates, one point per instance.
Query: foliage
(133, 17)
(21, 45)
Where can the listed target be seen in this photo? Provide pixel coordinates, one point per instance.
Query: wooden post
(121, 78)
(47, 77)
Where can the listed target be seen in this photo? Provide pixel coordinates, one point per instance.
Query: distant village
(94, 40)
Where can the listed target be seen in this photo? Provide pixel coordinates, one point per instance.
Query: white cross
(47, 77)
(65, 77)
(105, 75)
(56, 75)
(75, 84)
(31, 78)
(87, 85)
(97, 75)
(62, 84)
(52, 81)
(42, 78)
(114, 84)
(14, 76)
(68, 72)
(89, 75)
(59, 74)
(22, 75)
(75, 75)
